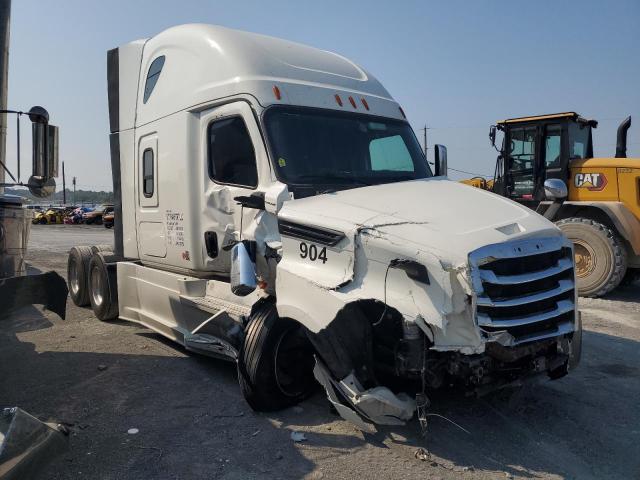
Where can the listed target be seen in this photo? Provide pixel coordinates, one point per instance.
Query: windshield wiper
(341, 177)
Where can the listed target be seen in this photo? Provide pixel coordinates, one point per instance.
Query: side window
(390, 153)
(147, 173)
(152, 77)
(552, 147)
(232, 159)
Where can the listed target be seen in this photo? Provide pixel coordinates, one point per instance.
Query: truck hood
(449, 218)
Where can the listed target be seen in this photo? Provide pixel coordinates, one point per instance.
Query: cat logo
(591, 181)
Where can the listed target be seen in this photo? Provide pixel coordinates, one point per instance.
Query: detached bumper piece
(26, 444)
(364, 407)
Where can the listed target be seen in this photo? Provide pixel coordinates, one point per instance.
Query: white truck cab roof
(196, 63)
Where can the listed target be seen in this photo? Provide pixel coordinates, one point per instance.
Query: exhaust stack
(621, 141)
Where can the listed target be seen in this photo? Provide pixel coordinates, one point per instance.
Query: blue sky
(456, 66)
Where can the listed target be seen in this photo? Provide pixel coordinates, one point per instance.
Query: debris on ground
(132, 431)
(279, 455)
(298, 436)
(102, 367)
(421, 454)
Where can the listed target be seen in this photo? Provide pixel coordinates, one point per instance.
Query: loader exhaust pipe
(621, 141)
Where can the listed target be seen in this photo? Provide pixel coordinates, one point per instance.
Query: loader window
(552, 147)
(232, 159)
(578, 140)
(147, 173)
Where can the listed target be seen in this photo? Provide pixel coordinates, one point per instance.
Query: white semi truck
(274, 208)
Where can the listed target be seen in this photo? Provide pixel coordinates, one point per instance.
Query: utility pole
(74, 190)
(5, 16)
(424, 130)
(64, 186)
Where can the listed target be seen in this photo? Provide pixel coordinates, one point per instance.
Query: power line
(470, 173)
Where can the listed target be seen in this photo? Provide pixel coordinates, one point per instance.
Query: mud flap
(48, 289)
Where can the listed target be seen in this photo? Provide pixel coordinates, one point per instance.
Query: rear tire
(600, 256)
(275, 364)
(103, 286)
(104, 248)
(77, 274)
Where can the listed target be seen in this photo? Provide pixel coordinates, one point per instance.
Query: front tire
(275, 363)
(600, 256)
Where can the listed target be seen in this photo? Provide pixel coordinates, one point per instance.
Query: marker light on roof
(402, 112)
(352, 102)
(364, 102)
(276, 92)
(338, 99)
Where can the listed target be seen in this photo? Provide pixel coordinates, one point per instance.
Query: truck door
(520, 164)
(151, 230)
(235, 161)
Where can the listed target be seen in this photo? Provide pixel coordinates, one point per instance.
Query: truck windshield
(324, 147)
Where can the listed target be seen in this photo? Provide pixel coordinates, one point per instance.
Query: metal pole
(5, 17)
(425, 140)
(74, 190)
(64, 186)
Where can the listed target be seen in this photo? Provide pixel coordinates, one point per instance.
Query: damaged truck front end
(393, 319)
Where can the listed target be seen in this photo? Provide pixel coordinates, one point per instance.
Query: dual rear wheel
(91, 275)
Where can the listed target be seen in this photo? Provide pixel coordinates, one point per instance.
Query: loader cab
(538, 148)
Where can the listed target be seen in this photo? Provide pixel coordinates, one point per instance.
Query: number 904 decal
(313, 253)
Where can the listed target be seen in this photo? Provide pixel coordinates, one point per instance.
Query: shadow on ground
(193, 422)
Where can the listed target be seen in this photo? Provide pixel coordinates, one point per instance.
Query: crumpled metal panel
(26, 444)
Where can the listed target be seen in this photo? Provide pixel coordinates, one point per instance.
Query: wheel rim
(73, 278)
(585, 259)
(96, 286)
(293, 363)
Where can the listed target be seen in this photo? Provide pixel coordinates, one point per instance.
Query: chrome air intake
(526, 288)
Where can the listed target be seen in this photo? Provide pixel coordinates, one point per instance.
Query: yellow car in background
(50, 216)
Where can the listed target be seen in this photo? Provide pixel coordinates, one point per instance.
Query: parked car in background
(75, 216)
(108, 218)
(95, 216)
(51, 215)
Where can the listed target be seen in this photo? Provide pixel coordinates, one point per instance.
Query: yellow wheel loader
(546, 163)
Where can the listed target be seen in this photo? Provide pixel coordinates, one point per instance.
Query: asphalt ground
(102, 379)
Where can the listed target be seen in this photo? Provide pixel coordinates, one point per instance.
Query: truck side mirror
(255, 200)
(275, 196)
(492, 135)
(44, 153)
(441, 160)
(555, 189)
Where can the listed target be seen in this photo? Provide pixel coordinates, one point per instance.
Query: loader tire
(275, 363)
(600, 256)
(103, 286)
(77, 275)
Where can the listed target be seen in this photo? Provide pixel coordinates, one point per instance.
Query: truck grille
(525, 288)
